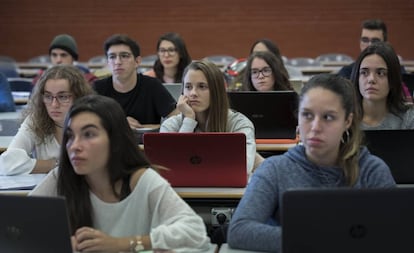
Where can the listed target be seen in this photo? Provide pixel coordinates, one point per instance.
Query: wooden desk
(209, 192)
(5, 141)
(407, 63)
(335, 63)
(20, 97)
(313, 70)
(274, 147)
(225, 248)
(409, 69)
(28, 72)
(20, 101)
(33, 65)
(183, 192)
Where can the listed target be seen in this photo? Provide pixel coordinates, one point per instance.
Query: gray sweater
(403, 120)
(250, 227)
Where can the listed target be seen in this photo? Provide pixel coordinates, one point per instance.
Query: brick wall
(300, 28)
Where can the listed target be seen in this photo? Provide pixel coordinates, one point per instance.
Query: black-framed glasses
(367, 40)
(266, 71)
(170, 51)
(62, 98)
(123, 56)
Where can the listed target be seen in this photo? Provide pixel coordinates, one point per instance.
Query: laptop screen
(274, 113)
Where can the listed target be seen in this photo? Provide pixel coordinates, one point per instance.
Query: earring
(347, 137)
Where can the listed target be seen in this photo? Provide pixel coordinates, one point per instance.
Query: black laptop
(348, 220)
(396, 148)
(34, 224)
(274, 113)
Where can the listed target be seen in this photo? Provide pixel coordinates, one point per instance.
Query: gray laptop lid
(274, 113)
(396, 148)
(34, 224)
(348, 220)
(174, 89)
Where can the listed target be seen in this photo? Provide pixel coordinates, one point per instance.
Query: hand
(87, 239)
(133, 123)
(184, 107)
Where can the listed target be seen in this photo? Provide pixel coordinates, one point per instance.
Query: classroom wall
(300, 28)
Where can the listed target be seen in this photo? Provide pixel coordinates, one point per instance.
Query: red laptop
(199, 159)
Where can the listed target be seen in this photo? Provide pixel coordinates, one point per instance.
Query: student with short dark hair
(144, 99)
(330, 157)
(372, 31)
(63, 49)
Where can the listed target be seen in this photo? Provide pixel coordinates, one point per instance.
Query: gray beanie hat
(65, 42)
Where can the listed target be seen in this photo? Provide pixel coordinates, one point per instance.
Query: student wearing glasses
(264, 72)
(144, 99)
(172, 59)
(35, 147)
(373, 31)
(377, 79)
(261, 45)
(204, 107)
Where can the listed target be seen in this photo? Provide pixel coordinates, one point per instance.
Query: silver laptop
(348, 220)
(273, 113)
(175, 89)
(34, 224)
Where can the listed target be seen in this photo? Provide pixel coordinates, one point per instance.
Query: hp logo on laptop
(358, 231)
(195, 159)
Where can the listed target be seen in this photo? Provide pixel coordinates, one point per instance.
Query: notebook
(272, 113)
(348, 220)
(34, 224)
(396, 148)
(175, 89)
(199, 159)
